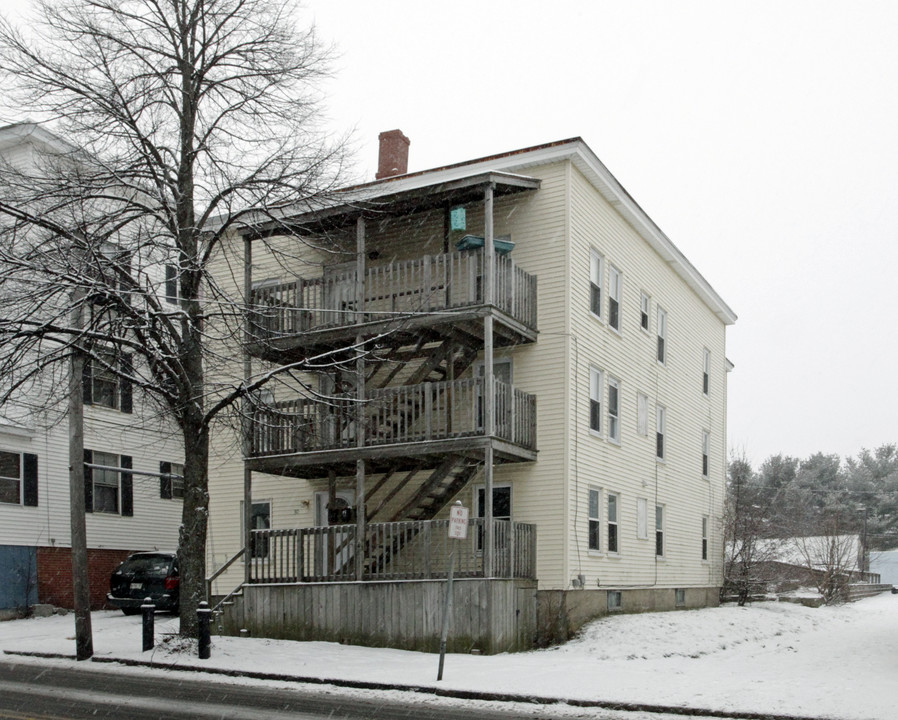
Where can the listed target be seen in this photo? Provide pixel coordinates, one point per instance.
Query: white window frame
(103, 479)
(706, 453)
(594, 519)
(596, 385)
(615, 285)
(612, 509)
(596, 286)
(262, 552)
(614, 598)
(659, 530)
(704, 538)
(17, 482)
(661, 350)
(642, 414)
(614, 410)
(644, 307)
(642, 518)
(660, 433)
(706, 372)
(177, 480)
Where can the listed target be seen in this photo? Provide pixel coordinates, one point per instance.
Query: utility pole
(84, 644)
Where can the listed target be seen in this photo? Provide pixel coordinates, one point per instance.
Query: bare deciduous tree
(184, 120)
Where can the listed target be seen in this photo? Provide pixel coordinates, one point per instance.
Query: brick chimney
(393, 157)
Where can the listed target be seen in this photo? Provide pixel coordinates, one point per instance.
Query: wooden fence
(409, 550)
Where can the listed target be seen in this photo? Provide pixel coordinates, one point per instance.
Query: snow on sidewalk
(835, 662)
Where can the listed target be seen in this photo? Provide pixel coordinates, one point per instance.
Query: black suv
(151, 575)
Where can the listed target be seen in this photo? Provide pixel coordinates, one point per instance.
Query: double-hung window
(596, 272)
(662, 336)
(660, 428)
(108, 488)
(612, 501)
(706, 451)
(171, 481)
(644, 312)
(260, 519)
(613, 410)
(659, 530)
(706, 371)
(106, 381)
(595, 525)
(705, 538)
(18, 478)
(615, 281)
(595, 400)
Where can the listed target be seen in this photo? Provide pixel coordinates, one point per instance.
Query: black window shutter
(171, 283)
(88, 482)
(29, 476)
(126, 366)
(165, 480)
(127, 487)
(88, 383)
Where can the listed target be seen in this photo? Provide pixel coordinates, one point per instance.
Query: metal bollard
(149, 618)
(204, 618)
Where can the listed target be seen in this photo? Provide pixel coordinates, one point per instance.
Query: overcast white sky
(761, 137)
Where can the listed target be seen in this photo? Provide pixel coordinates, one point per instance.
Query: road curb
(430, 690)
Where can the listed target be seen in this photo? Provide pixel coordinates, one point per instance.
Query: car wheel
(131, 611)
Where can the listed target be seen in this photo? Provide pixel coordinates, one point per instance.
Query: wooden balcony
(300, 437)
(414, 550)
(399, 298)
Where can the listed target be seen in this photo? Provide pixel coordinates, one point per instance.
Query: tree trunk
(194, 523)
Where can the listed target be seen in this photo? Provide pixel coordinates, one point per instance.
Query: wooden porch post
(360, 399)
(247, 409)
(489, 394)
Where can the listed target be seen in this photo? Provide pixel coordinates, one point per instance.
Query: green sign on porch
(457, 219)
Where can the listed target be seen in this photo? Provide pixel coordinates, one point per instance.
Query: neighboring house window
(612, 501)
(595, 526)
(172, 286)
(596, 272)
(642, 414)
(662, 336)
(107, 488)
(171, 482)
(613, 410)
(660, 425)
(260, 519)
(706, 371)
(595, 400)
(111, 269)
(105, 387)
(18, 478)
(614, 294)
(659, 530)
(704, 538)
(706, 450)
(644, 312)
(642, 518)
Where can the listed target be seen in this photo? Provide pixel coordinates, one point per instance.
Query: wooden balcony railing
(412, 550)
(432, 283)
(402, 414)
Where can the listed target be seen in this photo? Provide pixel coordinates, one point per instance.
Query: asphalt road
(30, 691)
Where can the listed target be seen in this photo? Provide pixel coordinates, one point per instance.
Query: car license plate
(137, 586)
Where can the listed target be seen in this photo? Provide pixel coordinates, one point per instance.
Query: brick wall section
(54, 575)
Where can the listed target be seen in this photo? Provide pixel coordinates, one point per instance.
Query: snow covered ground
(833, 662)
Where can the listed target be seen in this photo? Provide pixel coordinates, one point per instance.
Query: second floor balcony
(401, 296)
(407, 420)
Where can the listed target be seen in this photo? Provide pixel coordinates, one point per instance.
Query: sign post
(458, 530)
